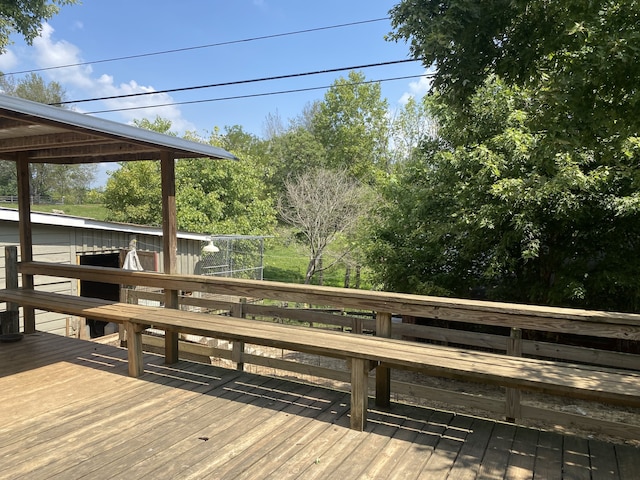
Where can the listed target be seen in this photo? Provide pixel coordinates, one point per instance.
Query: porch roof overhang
(36, 133)
(46, 134)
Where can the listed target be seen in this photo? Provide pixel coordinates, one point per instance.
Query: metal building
(82, 241)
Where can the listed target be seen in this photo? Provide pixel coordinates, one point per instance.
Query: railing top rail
(475, 311)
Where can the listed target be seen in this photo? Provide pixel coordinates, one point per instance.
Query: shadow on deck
(69, 410)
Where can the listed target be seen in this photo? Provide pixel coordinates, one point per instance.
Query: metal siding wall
(63, 244)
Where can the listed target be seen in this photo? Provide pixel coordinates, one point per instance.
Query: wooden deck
(69, 410)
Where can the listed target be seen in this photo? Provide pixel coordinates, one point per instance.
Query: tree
(351, 123)
(212, 196)
(321, 205)
(133, 193)
(482, 213)
(579, 59)
(25, 17)
(291, 154)
(68, 182)
(410, 126)
(535, 171)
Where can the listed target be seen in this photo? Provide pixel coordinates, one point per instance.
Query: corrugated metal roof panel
(56, 135)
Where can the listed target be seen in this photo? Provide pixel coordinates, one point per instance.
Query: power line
(252, 95)
(197, 47)
(238, 82)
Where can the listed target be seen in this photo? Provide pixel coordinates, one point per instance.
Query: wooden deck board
(70, 410)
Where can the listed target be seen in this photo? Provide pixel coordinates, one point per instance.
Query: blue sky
(103, 29)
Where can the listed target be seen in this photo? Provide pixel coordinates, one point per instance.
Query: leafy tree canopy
(351, 123)
(212, 196)
(529, 191)
(580, 59)
(25, 17)
(484, 212)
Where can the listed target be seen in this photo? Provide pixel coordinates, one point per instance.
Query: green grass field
(95, 211)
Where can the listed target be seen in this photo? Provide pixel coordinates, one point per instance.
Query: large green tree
(212, 196)
(292, 153)
(485, 210)
(25, 17)
(352, 125)
(579, 59)
(530, 191)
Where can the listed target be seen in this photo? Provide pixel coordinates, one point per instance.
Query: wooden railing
(514, 329)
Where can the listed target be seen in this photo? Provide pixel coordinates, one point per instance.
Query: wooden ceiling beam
(49, 141)
(100, 149)
(71, 160)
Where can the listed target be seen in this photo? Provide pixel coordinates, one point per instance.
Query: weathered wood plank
(469, 461)
(142, 442)
(628, 460)
(418, 456)
(152, 426)
(496, 458)
(604, 465)
(575, 459)
(523, 454)
(489, 313)
(448, 448)
(359, 393)
(283, 447)
(548, 463)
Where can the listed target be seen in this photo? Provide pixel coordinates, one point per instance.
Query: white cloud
(417, 89)
(80, 80)
(8, 61)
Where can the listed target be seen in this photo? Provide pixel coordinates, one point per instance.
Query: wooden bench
(578, 381)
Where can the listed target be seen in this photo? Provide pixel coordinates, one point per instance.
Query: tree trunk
(347, 276)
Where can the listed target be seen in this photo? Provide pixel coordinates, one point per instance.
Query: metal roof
(55, 135)
(52, 219)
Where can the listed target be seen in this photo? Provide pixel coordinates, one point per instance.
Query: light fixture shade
(210, 248)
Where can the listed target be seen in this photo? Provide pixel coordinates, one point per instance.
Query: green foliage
(292, 153)
(351, 123)
(490, 210)
(529, 192)
(133, 193)
(579, 59)
(25, 17)
(212, 196)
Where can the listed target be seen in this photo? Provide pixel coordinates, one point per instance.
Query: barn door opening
(109, 291)
(105, 291)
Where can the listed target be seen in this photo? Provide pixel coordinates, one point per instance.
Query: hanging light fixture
(210, 248)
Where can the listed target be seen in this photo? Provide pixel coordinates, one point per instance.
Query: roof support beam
(169, 245)
(26, 238)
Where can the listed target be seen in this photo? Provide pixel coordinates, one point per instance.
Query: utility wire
(186, 49)
(252, 95)
(237, 82)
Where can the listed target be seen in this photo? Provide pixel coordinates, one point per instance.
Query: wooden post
(237, 348)
(170, 246)
(383, 374)
(26, 238)
(514, 348)
(356, 325)
(134, 349)
(11, 323)
(359, 393)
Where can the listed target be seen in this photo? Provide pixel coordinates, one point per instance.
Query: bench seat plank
(560, 378)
